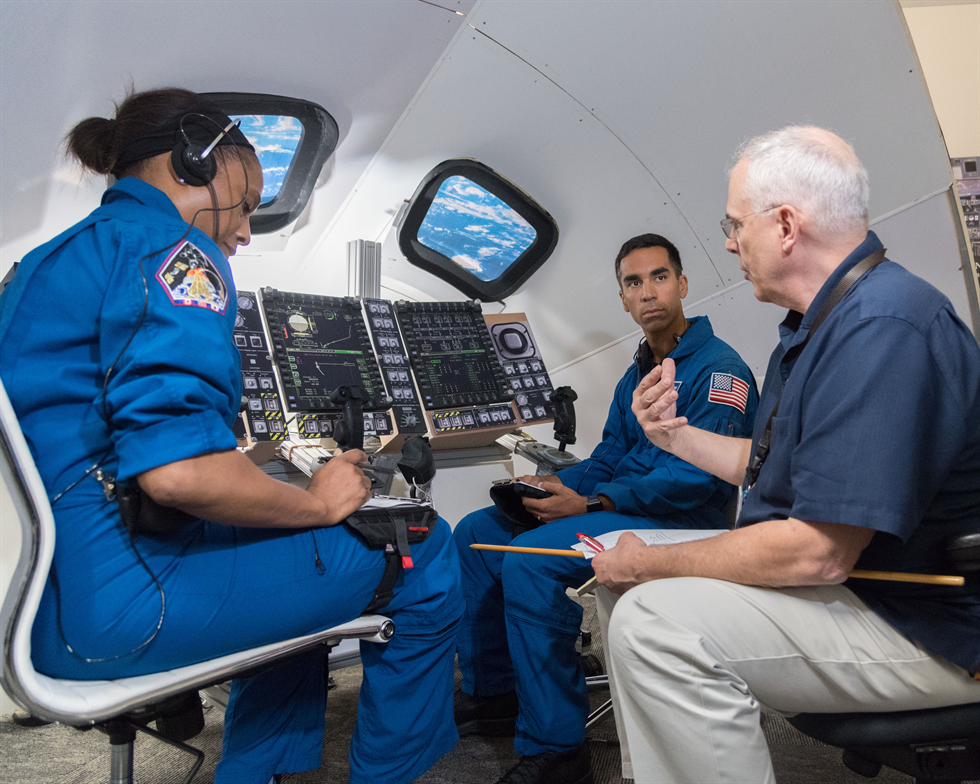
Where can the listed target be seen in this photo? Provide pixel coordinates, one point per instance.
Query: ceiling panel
(66, 60)
(621, 117)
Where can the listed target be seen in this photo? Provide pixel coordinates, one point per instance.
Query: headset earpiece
(190, 165)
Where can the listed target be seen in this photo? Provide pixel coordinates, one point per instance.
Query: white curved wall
(627, 115)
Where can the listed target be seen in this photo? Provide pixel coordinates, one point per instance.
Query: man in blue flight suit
(516, 645)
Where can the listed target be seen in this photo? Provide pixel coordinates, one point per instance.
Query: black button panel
(396, 373)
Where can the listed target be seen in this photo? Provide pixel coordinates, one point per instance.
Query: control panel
(396, 372)
(523, 366)
(451, 354)
(376, 423)
(473, 418)
(320, 344)
(440, 368)
(262, 419)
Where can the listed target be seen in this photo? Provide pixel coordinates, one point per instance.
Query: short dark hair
(649, 241)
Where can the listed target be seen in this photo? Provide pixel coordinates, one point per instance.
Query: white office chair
(118, 707)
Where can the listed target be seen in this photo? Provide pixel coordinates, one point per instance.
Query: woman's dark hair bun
(97, 141)
(92, 143)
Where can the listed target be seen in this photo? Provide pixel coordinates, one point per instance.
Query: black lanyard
(762, 450)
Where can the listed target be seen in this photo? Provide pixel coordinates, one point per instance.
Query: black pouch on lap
(143, 516)
(506, 499)
(392, 530)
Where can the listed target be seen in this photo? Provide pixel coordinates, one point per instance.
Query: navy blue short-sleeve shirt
(879, 427)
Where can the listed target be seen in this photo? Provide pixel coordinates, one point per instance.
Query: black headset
(193, 162)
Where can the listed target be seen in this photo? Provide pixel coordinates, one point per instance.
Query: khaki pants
(693, 661)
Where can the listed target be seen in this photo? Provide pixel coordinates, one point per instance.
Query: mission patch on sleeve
(190, 278)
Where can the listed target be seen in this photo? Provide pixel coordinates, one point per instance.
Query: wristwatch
(593, 504)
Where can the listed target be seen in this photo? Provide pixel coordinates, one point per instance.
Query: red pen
(595, 544)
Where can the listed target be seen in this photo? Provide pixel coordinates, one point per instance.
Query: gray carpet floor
(61, 755)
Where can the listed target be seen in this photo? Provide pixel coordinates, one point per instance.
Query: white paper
(393, 502)
(650, 537)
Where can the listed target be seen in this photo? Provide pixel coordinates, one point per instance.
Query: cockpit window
(476, 230)
(276, 138)
(293, 139)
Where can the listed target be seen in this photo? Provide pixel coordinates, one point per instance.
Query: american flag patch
(726, 388)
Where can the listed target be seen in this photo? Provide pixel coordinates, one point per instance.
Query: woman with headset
(121, 366)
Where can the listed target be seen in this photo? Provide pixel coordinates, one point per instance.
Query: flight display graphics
(452, 357)
(475, 229)
(320, 344)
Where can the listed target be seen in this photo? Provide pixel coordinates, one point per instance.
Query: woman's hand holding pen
(341, 485)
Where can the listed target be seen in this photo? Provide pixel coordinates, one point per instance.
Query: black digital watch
(593, 504)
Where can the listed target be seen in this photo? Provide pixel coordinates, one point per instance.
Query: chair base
(598, 682)
(122, 735)
(177, 719)
(935, 745)
(936, 763)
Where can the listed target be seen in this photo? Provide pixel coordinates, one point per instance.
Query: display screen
(451, 354)
(452, 360)
(475, 229)
(320, 344)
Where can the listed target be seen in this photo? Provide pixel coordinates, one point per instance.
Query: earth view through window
(474, 228)
(275, 139)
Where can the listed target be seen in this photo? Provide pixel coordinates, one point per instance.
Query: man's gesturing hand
(655, 405)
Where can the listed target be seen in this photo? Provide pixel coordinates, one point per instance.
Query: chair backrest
(23, 596)
(83, 703)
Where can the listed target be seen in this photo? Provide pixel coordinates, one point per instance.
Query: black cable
(159, 625)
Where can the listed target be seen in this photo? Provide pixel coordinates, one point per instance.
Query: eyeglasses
(732, 225)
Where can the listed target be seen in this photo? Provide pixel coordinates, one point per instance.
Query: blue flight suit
(519, 628)
(69, 315)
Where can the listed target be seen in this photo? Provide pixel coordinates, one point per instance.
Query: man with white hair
(865, 454)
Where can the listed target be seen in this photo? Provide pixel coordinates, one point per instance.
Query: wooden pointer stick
(504, 548)
(901, 577)
(906, 577)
